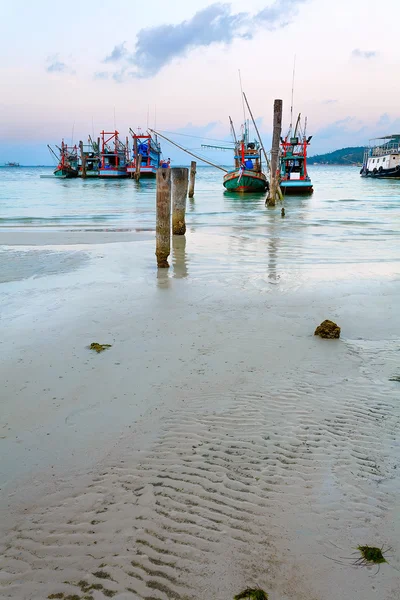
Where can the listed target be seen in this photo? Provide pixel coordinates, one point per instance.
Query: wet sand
(216, 445)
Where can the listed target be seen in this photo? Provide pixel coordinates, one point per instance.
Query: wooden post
(135, 149)
(192, 178)
(163, 217)
(83, 159)
(179, 194)
(274, 184)
(138, 165)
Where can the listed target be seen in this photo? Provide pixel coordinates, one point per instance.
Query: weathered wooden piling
(179, 194)
(192, 178)
(163, 217)
(83, 159)
(138, 165)
(274, 189)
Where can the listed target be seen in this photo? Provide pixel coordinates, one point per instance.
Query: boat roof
(394, 136)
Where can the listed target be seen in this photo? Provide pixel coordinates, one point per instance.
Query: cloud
(157, 46)
(56, 65)
(101, 75)
(117, 53)
(279, 14)
(357, 53)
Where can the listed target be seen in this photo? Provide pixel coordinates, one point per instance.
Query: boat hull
(113, 173)
(384, 174)
(246, 181)
(65, 173)
(296, 187)
(144, 171)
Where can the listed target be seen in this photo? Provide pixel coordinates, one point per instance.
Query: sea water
(347, 220)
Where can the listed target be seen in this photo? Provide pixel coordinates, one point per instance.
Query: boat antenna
(241, 90)
(305, 127)
(233, 130)
(291, 106)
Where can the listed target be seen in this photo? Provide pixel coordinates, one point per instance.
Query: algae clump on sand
(373, 555)
(99, 347)
(328, 330)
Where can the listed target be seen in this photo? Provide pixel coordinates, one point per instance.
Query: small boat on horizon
(382, 160)
(113, 155)
(148, 149)
(293, 175)
(12, 164)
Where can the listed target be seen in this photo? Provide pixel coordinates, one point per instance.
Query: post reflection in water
(179, 256)
(163, 278)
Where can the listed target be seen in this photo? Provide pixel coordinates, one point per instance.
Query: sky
(175, 67)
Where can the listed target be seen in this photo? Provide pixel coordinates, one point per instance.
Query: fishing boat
(67, 158)
(89, 159)
(293, 175)
(12, 164)
(247, 175)
(113, 155)
(146, 154)
(382, 159)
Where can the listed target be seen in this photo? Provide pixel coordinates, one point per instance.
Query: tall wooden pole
(83, 160)
(192, 178)
(179, 194)
(276, 136)
(163, 217)
(135, 149)
(138, 165)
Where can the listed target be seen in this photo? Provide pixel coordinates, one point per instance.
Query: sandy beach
(217, 445)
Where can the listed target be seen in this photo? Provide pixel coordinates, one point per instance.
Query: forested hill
(345, 156)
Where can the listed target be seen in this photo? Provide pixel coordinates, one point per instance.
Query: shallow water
(347, 220)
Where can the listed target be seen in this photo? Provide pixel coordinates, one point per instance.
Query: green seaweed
(102, 575)
(370, 554)
(109, 593)
(56, 596)
(395, 378)
(252, 594)
(99, 347)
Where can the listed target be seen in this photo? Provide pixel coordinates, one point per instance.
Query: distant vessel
(113, 155)
(293, 173)
(12, 164)
(67, 161)
(149, 149)
(382, 160)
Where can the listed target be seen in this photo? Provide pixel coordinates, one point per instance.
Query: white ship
(382, 159)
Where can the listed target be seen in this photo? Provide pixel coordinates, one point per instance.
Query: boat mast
(233, 130)
(188, 151)
(291, 106)
(258, 133)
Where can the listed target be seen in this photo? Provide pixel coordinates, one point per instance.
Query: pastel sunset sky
(71, 69)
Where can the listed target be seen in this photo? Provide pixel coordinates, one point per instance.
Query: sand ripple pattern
(233, 485)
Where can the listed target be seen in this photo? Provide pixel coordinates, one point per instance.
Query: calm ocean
(348, 219)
